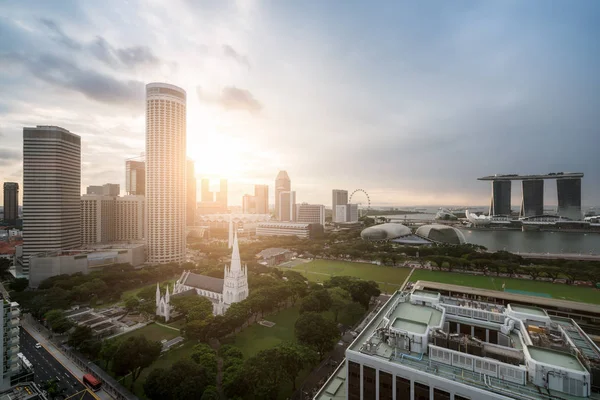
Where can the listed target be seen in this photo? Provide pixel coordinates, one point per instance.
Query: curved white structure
(441, 234)
(477, 220)
(165, 173)
(385, 232)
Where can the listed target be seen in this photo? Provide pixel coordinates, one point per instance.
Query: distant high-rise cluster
(107, 218)
(282, 184)
(108, 189)
(208, 203)
(165, 173)
(51, 190)
(339, 197)
(341, 210)
(257, 204)
(287, 206)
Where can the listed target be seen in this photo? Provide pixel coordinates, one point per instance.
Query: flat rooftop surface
(335, 387)
(558, 358)
(516, 177)
(409, 326)
(426, 293)
(412, 313)
(529, 310)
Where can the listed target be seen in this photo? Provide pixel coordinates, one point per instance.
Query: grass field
(152, 332)
(257, 337)
(389, 279)
(556, 290)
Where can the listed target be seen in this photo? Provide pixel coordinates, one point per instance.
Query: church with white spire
(222, 293)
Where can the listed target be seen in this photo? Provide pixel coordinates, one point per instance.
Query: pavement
(47, 367)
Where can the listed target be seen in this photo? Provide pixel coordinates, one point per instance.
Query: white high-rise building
(51, 191)
(310, 213)
(287, 206)
(346, 213)
(9, 345)
(97, 219)
(165, 173)
(282, 184)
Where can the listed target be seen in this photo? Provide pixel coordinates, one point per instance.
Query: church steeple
(236, 262)
(230, 242)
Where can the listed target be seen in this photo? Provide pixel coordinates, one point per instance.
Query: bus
(92, 382)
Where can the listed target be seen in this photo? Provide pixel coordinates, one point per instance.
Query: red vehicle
(92, 382)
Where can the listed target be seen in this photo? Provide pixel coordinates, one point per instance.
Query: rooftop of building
(276, 224)
(272, 252)
(530, 337)
(516, 177)
(22, 391)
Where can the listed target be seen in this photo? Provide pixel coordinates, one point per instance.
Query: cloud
(8, 156)
(115, 57)
(232, 98)
(59, 35)
(231, 53)
(94, 85)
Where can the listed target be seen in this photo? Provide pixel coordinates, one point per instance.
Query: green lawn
(389, 278)
(257, 337)
(152, 332)
(556, 290)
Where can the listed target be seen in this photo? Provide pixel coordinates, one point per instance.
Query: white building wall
(165, 173)
(310, 213)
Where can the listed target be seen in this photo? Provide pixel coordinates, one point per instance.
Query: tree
(204, 355)
(193, 307)
(184, 380)
(235, 381)
(293, 358)
(316, 332)
(340, 298)
(132, 303)
(19, 284)
(57, 321)
(80, 334)
(317, 301)
(109, 350)
(210, 393)
(351, 313)
(134, 354)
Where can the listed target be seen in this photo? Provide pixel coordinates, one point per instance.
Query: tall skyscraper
(282, 184)
(165, 172)
(261, 198)
(569, 198)
(339, 198)
(129, 218)
(135, 178)
(11, 202)
(501, 190)
(249, 204)
(206, 195)
(310, 213)
(51, 190)
(222, 195)
(532, 203)
(287, 206)
(190, 215)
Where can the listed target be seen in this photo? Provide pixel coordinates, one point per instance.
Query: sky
(410, 101)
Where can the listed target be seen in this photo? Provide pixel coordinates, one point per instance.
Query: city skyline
(408, 112)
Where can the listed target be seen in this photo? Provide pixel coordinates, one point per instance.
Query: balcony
(14, 313)
(13, 332)
(14, 322)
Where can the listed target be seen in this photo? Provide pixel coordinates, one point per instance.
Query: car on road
(38, 346)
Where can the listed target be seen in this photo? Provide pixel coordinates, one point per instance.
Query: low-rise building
(84, 260)
(426, 345)
(310, 213)
(302, 230)
(274, 256)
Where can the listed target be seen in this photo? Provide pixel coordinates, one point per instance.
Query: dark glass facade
(11, 202)
(533, 198)
(402, 388)
(386, 388)
(569, 198)
(369, 383)
(501, 192)
(421, 391)
(353, 381)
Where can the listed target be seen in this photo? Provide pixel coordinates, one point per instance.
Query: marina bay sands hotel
(568, 187)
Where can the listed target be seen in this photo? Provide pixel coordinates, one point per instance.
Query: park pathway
(407, 279)
(166, 326)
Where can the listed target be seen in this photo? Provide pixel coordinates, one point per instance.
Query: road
(47, 367)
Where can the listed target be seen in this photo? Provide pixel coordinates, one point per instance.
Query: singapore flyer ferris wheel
(361, 194)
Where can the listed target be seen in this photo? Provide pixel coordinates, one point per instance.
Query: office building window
(439, 394)
(369, 387)
(385, 386)
(421, 391)
(402, 388)
(353, 381)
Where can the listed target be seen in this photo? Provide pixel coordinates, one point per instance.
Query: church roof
(204, 282)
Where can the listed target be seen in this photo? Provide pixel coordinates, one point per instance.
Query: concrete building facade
(501, 193)
(532, 203)
(346, 213)
(9, 345)
(135, 178)
(98, 217)
(310, 213)
(11, 202)
(129, 218)
(569, 198)
(261, 198)
(287, 206)
(338, 198)
(165, 173)
(51, 190)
